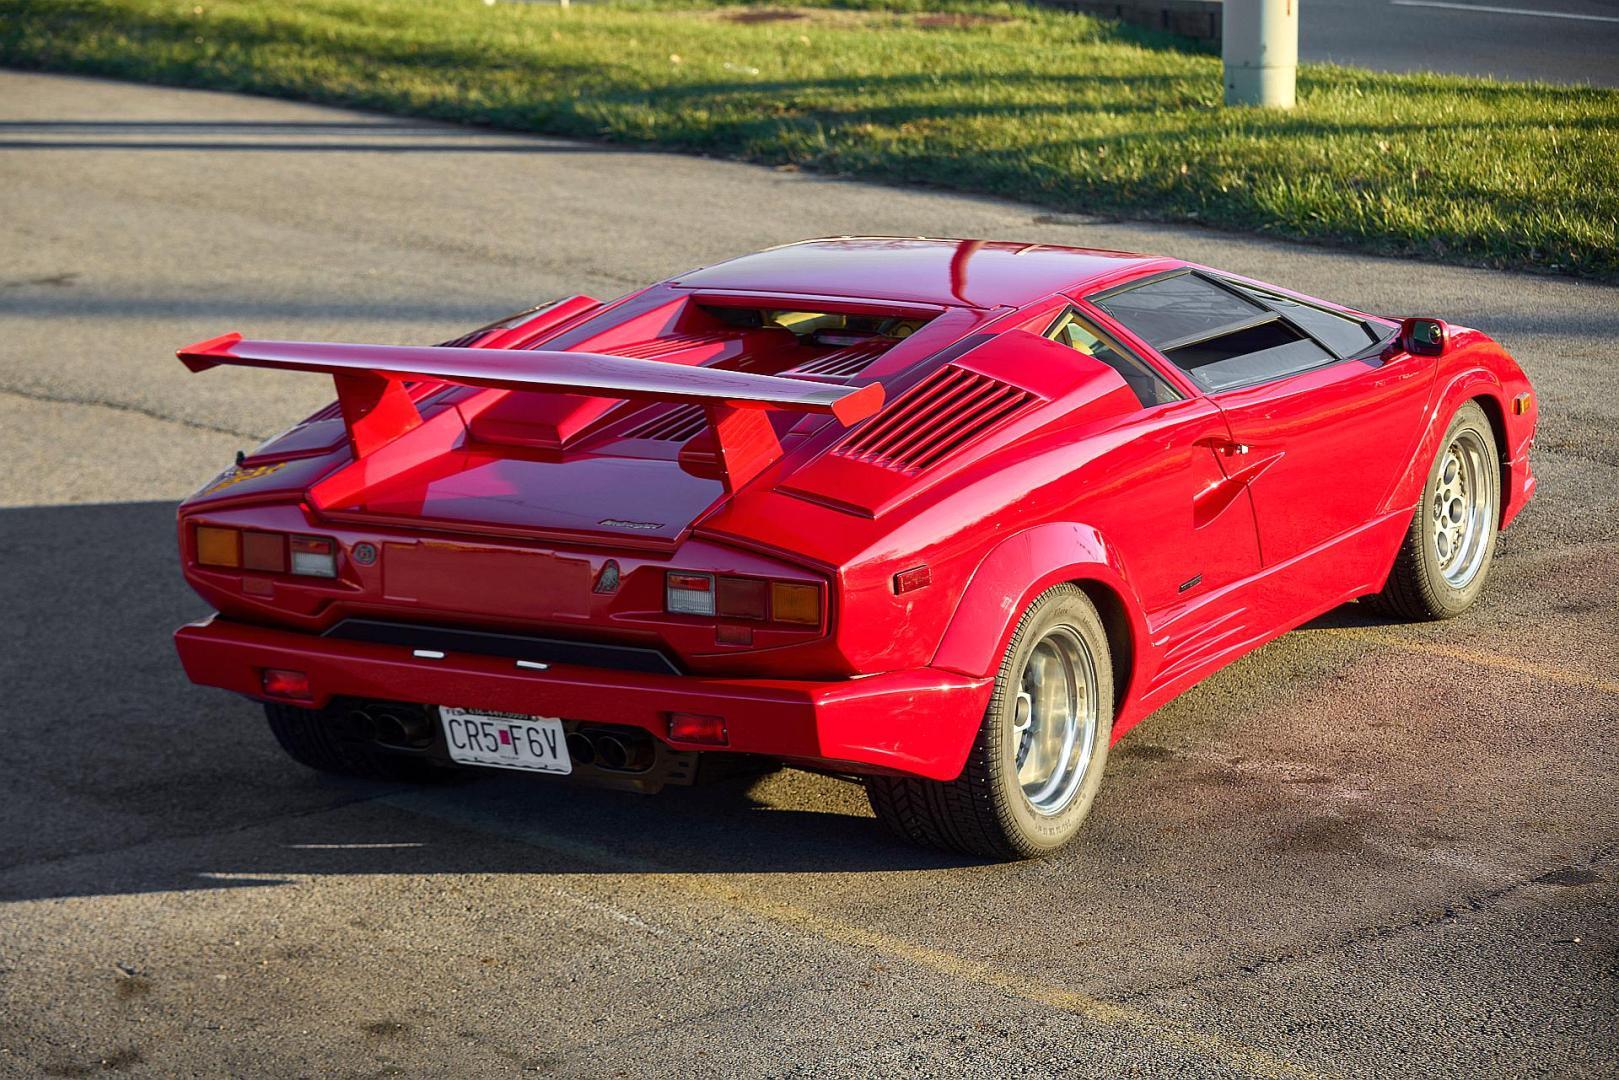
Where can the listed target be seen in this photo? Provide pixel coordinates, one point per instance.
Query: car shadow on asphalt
(112, 753)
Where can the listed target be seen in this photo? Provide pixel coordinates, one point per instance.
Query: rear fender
(1017, 571)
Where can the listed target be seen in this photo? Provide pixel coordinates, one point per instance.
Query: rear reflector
(264, 551)
(218, 547)
(795, 603)
(314, 556)
(694, 728)
(916, 577)
(288, 684)
(689, 594)
(741, 598)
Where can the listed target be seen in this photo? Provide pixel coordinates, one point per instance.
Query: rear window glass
(1177, 307)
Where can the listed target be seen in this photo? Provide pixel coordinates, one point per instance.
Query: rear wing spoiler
(377, 409)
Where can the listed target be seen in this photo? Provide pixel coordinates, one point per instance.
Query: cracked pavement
(1369, 849)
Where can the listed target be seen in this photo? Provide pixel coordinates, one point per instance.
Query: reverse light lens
(695, 728)
(218, 547)
(741, 598)
(265, 551)
(689, 594)
(795, 603)
(314, 556)
(279, 682)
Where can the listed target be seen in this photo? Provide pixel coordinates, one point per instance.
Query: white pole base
(1272, 87)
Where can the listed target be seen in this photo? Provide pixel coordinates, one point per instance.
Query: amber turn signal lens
(795, 603)
(218, 547)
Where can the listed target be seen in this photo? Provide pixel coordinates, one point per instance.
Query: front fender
(1016, 571)
(1473, 380)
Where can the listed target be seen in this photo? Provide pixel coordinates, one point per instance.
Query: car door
(1323, 425)
(1163, 496)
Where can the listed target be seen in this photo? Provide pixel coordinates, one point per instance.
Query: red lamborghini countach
(948, 516)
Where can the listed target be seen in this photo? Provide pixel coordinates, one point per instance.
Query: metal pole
(1261, 51)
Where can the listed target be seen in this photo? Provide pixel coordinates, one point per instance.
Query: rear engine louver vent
(934, 419)
(676, 425)
(467, 340)
(663, 346)
(843, 364)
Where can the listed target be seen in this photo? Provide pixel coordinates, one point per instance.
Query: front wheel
(1037, 762)
(1445, 558)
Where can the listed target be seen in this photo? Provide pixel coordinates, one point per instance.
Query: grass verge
(975, 95)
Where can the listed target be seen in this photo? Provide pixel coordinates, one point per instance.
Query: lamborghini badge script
(617, 523)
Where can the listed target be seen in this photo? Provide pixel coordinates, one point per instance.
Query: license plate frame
(487, 738)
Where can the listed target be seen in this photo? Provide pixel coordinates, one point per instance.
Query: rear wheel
(352, 741)
(1445, 558)
(1036, 765)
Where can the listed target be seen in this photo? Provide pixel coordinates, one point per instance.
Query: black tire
(1418, 588)
(325, 740)
(985, 811)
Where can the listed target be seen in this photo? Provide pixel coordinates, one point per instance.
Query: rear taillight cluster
(269, 552)
(757, 599)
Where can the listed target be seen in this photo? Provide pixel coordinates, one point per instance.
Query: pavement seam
(1466, 905)
(118, 406)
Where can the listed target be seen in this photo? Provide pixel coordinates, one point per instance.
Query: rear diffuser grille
(940, 415)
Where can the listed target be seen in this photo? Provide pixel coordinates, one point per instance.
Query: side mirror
(1423, 337)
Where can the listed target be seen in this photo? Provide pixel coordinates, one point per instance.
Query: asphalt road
(1366, 850)
(1558, 41)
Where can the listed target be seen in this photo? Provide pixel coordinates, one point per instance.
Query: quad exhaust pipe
(612, 751)
(391, 725)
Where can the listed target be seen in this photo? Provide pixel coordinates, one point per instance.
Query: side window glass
(1078, 334)
(1220, 338)
(1342, 334)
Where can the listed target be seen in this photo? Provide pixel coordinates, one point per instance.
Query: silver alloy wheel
(1463, 509)
(1054, 726)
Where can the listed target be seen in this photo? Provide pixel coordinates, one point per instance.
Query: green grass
(1055, 109)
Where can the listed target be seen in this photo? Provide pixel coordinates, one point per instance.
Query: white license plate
(505, 740)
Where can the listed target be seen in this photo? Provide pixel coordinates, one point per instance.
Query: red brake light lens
(265, 551)
(741, 598)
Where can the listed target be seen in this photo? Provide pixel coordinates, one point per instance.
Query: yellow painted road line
(752, 902)
(1225, 1050)
(1531, 668)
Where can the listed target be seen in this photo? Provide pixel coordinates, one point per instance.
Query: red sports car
(950, 516)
